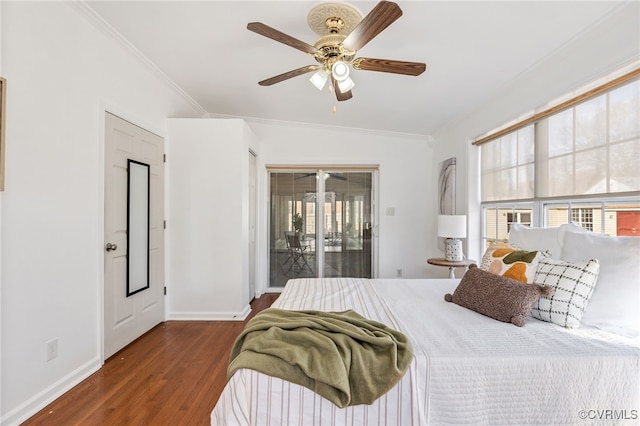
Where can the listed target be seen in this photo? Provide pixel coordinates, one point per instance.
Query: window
(499, 218)
(592, 148)
(519, 217)
(508, 166)
(583, 217)
(578, 164)
(614, 217)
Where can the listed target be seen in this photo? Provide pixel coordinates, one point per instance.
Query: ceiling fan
(342, 32)
(338, 176)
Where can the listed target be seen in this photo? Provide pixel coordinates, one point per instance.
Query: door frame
(375, 181)
(105, 107)
(253, 223)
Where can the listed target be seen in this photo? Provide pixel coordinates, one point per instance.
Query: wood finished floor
(173, 375)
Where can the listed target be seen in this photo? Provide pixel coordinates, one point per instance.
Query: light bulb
(340, 71)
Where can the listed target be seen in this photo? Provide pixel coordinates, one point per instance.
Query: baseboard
(47, 396)
(209, 316)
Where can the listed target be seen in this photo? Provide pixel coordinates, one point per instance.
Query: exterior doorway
(320, 224)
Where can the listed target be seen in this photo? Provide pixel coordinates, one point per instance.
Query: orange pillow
(510, 262)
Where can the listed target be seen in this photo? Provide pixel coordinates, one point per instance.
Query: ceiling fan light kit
(343, 31)
(346, 85)
(319, 79)
(340, 71)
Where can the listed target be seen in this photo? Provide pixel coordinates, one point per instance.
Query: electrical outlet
(52, 349)
(399, 273)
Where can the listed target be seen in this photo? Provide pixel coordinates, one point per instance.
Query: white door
(128, 317)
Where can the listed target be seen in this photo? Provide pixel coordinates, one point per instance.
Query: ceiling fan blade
(306, 175)
(287, 75)
(272, 33)
(388, 65)
(340, 96)
(338, 176)
(380, 17)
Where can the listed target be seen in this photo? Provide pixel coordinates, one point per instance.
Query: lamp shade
(452, 226)
(319, 79)
(346, 85)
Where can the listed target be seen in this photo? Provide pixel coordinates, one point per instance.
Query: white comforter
(468, 368)
(482, 371)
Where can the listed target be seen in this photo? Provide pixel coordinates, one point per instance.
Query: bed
(467, 368)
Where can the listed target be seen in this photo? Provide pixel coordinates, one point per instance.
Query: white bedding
(468, 368)
(482, 371)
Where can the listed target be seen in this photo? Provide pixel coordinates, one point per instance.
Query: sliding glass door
(347, 224)
(292, 243)
(320, 224)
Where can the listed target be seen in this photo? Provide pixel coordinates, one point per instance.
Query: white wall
(405, 184)
(62, 72)
(207, 212)
(609, 46)
(208, 218)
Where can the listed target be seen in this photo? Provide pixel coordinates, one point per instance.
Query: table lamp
(452, 227)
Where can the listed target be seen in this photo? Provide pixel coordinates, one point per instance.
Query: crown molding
(267, 121)
(98, 22)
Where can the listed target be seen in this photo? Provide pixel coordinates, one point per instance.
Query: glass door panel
(320, 225)
(347, 224)
(292, 227)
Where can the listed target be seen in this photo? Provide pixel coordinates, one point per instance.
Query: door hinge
(164, 224)
(165, 290)
(164, 158)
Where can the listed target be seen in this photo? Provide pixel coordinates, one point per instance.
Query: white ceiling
(473, 50)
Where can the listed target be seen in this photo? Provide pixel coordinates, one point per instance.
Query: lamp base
(453, 250)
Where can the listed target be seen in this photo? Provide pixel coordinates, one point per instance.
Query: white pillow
(615, 303)
(543, 239)
(548, 240)
(573, 283)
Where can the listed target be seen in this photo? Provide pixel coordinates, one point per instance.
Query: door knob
(111, 247)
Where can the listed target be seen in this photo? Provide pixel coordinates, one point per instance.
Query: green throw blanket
(342, 356)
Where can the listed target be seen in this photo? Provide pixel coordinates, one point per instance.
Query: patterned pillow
(573, 283)
(510, 262)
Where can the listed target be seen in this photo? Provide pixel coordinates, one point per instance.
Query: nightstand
(441, 261)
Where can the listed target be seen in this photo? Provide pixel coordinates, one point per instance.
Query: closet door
(130, 312)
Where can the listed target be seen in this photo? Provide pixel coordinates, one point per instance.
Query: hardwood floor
(172, 375)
